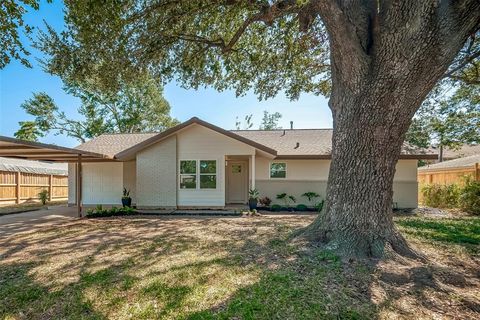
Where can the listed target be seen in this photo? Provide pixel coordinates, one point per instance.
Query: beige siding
(312, 175)
(102, 183)
(200, 143)
(296, 169)
(130, 178)
(156, 175)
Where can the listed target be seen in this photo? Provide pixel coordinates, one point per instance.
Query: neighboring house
(197, 164)
(465, 150)
(450, 172)
(22, 180)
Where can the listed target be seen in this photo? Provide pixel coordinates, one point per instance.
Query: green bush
(441, 196)
(301, 207)
(276, 207)
(469, 200)
(319, 206)
(43, 196)
(114, 211)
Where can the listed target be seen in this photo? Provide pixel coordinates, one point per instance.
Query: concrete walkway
(35, 220)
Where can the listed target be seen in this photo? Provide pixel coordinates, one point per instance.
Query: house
(197, 164)
(464, 150)
(22, 180)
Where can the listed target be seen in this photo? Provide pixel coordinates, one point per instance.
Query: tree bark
(386, 57)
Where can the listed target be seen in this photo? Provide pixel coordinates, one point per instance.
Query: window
(278, 170)
(188, 174)
(206, 173)
(236, 168)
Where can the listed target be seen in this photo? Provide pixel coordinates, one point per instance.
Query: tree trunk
(385, 58)
(366, 147)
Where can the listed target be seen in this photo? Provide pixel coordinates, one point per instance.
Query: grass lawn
(232, 268)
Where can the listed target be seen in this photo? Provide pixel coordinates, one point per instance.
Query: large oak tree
(377, 59)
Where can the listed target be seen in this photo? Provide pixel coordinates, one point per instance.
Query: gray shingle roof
(28, 166)
(301, 142)
(464, 151)
(311, 142)
(111, 144)
(455, 163)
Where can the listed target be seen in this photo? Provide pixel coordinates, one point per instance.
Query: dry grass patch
(225, 268)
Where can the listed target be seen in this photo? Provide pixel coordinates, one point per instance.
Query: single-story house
(197, 164)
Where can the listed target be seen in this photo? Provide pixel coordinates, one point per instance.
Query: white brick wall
(157, 175)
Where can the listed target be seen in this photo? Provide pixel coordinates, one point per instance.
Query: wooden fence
(446, 176)
(18, 187)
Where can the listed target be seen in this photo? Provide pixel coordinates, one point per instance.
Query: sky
(17, 83)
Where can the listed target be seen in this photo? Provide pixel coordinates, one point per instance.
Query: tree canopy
(12, 25)
(138, 107)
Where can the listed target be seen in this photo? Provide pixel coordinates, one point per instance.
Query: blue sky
(17, 83)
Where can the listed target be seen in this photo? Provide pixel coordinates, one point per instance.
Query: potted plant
(126, 199)
(253, 199)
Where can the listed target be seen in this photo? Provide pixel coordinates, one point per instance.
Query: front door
(237, 181)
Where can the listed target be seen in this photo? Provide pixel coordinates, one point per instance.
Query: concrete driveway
(35, 220)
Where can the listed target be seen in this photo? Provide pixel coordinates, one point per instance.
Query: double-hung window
(278, 170)
(188, 174)
(198, 174)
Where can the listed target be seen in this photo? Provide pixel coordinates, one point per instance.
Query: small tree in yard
(43, 196)
(376, 59)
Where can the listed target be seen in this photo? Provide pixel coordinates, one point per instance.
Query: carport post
(79, 185)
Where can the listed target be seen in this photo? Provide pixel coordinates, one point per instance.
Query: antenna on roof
(291, 125)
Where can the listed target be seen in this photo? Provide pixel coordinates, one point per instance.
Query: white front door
(237, 181)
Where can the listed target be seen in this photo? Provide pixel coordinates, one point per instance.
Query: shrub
(301, 207)
(276, 207)
(265, 201)
(439, 196)
(43, 195)
(286, 198)
(114, 211)
(469, 199)
(311, 196)
(319, 206)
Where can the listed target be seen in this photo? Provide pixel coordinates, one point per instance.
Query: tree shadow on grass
(204, 269)
(23, 297)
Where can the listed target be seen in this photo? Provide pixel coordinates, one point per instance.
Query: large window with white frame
(278, 170)
(198, 174)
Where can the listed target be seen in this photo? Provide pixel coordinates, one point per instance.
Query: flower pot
(252, 204)
(127, 202)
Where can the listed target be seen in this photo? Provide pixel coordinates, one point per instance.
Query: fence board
(447, 176)
(30, 184)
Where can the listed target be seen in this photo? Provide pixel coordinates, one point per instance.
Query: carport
(21, 149)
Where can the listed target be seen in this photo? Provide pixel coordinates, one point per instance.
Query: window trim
(200, 174)
(197, 174)
(270, 170)
(187, 174)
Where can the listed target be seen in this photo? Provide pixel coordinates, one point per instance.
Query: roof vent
(297, 145)
(291, 125)
(283, 133)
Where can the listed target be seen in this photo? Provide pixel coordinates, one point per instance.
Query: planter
(127, 202)
(252, 204)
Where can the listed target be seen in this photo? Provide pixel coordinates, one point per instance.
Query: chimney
(291, 125)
